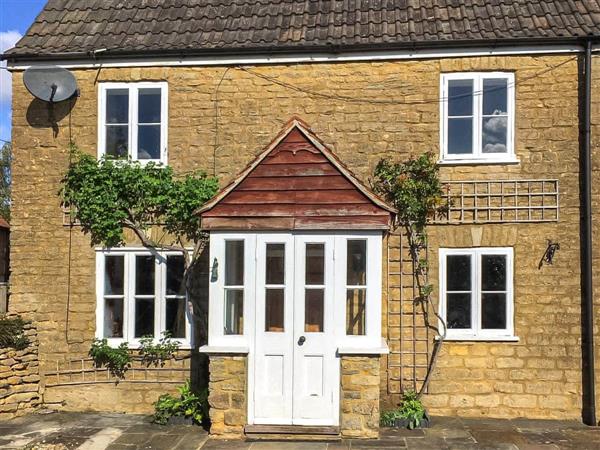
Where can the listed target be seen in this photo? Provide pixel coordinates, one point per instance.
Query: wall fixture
(548, 256)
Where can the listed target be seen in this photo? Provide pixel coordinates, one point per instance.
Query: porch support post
(227, 394)
(360, 378)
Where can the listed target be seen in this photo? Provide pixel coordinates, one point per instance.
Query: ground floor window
(476, 292)
(141, 293)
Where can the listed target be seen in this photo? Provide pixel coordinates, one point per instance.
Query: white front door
(296, 371)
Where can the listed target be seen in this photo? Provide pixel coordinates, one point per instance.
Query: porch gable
(296, 183)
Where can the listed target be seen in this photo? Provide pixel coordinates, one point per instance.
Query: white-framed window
(476, 293)
(133, 121)
(477, 117)
(141, 293)
(358, 273)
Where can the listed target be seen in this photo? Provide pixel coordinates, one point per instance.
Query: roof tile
(73, 26)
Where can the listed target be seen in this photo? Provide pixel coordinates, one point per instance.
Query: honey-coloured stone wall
(20, 389)
(220, 118)
(227, 395)
(359, 396)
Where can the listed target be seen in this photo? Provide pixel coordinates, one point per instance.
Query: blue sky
(15, 18)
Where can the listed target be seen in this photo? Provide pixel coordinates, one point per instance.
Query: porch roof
(296, 183)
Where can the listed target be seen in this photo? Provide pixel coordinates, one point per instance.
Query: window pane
(113, 318)
(494, 134)
(458, 314)
(234, 263)
(495, 96)
(113, 275)
(458, 273)
(460, 136)
(149, 105)
(175, 269)
(117, 106)
(117, 140)
(356, 263)
(315, 264)
(149, 142)
(274, 310)
(314, 310)
(175, 317)
(356, 311)
(234, 311)
(275, 265)
(460, 97)
(144, 275)
(144, 317)
(493, 311)
(493, 272)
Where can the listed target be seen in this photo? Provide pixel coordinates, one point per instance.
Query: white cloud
(8, 40)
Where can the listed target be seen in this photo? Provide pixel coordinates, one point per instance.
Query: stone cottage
(291, 104)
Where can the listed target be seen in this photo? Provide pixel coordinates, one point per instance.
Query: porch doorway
(294, 363)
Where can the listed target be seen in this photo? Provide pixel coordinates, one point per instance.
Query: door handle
(301, 340)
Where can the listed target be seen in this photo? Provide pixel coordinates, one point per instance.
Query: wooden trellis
(83, 371)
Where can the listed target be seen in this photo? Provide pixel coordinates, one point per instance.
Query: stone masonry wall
(359, 398)
(227, 395)
(20, 390)
(371, 110)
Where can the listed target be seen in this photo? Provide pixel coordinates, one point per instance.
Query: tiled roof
(66, 26)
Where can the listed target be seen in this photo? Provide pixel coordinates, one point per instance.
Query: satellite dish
(50, 83)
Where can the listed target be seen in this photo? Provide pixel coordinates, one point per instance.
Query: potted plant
(187, 409)
(410, 414)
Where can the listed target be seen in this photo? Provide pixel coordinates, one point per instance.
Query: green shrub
(189, 405)
(160, 352)
(11, 333)
(116, 360)
(410, 409)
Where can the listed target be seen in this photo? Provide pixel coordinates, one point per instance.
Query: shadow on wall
(198, 292)
(42, 114)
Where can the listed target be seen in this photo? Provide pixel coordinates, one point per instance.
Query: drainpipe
(589, 381)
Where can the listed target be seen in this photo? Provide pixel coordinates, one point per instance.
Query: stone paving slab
(99, 431)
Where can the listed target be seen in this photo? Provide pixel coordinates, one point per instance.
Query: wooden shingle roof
(134, 26)
(296, 183)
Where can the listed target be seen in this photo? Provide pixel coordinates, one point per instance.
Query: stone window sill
(223, 349)
(349, 350)
(470, 338)
(476, 161)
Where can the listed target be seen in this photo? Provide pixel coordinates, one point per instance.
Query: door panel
(315, 364)
(296, 372)
(274, 335)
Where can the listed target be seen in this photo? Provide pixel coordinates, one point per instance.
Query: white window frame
(476, 333)
(370, 342)
(372, 336)
(160, 289)
(477, 156)
(132, 123)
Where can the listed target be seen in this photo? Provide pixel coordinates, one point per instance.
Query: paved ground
(92, 431)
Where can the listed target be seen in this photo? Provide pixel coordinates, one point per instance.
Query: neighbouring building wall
(220, 118)
(20, 389)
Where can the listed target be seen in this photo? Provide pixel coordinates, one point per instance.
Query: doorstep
(291, 433)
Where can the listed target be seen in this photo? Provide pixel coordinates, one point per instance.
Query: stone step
(291, 433)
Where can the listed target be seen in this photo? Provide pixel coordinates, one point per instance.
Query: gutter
(273, 50)
(588, 363)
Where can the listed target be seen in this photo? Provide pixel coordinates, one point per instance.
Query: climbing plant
(413, 187)
(108, 196)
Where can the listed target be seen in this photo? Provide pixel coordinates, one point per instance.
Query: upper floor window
(476, 293)
(477, 112)
(141, 294)
(133, 121)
